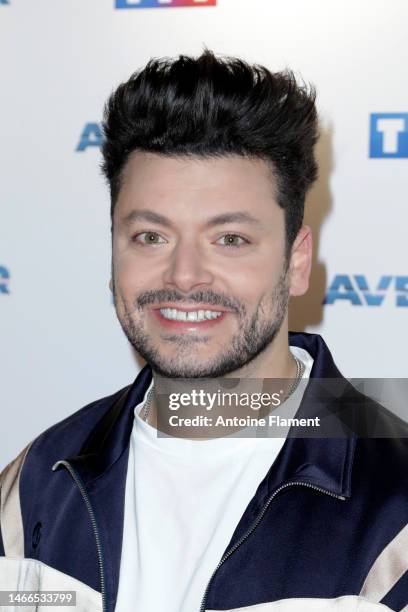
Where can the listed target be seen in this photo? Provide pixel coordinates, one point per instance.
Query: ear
(300, 262)
(111, 285)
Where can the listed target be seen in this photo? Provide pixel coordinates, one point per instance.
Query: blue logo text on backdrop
(4, 280)
(129, 4)
(91, 136)
(356, 290)
(389, 135)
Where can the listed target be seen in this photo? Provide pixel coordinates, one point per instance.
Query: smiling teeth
(193, 315)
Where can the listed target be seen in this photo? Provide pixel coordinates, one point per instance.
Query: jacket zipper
(255, 525)
(84, 494)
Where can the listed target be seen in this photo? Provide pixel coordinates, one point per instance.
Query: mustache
(203, 296)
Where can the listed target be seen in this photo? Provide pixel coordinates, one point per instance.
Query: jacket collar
(325, 463)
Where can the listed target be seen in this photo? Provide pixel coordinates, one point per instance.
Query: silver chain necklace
(300, 368)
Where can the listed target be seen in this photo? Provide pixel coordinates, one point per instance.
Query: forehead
(196, 184)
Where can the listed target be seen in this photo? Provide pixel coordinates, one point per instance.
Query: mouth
(188, 318)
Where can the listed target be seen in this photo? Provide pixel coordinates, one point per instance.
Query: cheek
(252, 282)
(131, 278)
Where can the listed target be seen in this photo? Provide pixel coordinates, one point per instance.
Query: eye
(232, 240)
(148, 238)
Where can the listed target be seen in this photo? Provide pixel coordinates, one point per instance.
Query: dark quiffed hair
(215, 106)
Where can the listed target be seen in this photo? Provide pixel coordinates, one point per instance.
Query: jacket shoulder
(80, 422)
(379, 477)
(65, 438)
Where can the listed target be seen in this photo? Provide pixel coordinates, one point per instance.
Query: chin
(171, 369)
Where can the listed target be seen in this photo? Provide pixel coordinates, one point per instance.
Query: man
(208, 162)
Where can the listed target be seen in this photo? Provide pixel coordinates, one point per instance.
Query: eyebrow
(222, 219)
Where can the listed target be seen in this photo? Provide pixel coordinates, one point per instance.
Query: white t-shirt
(183, 501)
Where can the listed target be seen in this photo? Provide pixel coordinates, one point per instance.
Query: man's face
(199, 272)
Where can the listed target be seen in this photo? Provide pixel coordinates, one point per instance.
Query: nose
(187, 268)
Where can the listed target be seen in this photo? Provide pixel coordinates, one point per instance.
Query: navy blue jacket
(329, 519)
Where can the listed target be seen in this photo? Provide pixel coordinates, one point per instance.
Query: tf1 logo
(355, 289)
(389, 135)
(129, 4)
(4, 279)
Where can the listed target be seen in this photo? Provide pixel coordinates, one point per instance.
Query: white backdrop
(61, 346)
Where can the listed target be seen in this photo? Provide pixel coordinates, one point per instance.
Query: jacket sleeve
(2, 554)
(11, 521)
(387, 580)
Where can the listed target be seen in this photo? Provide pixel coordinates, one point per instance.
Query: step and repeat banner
(61, 346)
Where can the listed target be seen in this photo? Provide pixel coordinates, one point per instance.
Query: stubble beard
(256, 333)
